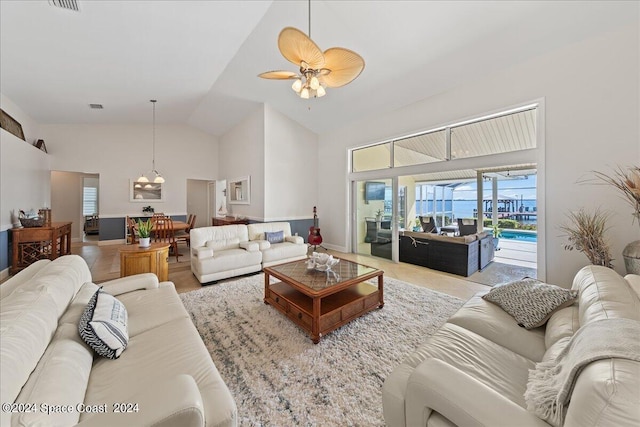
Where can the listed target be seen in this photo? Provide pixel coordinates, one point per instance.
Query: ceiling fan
(334, 67)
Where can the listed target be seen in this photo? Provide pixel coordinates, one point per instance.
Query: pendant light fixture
(157, 177)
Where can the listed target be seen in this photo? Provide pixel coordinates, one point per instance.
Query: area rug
(278, 377)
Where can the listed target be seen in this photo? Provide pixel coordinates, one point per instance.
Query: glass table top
(318, 280)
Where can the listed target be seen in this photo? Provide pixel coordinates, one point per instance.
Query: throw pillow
(530, 301)
(274, 237)
(103, 325)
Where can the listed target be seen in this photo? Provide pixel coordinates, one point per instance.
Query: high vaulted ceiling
(200, 59)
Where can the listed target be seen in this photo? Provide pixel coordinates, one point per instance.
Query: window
(89, 198)
(371, 158)
(508, 132)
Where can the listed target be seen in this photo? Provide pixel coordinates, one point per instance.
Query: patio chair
(467, 226)
(428, 224)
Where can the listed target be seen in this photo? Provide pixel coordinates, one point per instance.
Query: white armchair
(221, 252)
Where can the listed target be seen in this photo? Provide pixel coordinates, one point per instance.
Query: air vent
(65, 4)
(96, 106)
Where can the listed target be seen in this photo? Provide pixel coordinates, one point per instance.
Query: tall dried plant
(628, 183)
(585, 233)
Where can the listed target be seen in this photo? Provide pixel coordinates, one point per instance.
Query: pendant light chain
(153, 159)
(309, 18)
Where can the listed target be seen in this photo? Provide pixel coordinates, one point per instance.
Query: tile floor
(104, 263)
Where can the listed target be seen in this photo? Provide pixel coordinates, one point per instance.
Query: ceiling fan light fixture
(334, 67)
(314, 83)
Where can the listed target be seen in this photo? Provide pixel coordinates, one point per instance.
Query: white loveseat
(233, 250)
(473, 371)
(165, 376)
(291, 249)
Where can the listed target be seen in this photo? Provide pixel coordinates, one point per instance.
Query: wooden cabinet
(228, 220)
(154, 259)
(35, 243)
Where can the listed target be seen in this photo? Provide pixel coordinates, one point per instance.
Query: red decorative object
(315, 238)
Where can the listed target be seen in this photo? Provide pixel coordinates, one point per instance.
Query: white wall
(291, 170)
(24, 170)
(241, 154)
(198, 201)
(66, 200)
(592, 123)
(121, 153)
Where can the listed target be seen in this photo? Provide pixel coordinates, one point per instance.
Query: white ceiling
(201, 59)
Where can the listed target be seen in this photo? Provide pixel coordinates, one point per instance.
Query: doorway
(75, 197)
(199, 201)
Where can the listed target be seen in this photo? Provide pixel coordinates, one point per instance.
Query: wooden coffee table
(318, 301)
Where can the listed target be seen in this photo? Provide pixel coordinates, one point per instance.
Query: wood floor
(104, 263)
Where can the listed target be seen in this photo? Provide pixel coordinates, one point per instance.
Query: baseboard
(112, 242)
(4, 274)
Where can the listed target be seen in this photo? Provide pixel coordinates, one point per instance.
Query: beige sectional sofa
(164, 377)
(233, 250)
(474, 370)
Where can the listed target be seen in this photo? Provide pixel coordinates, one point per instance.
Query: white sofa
(165, 369)
(291, 249)
(473, 371)
(233, 250)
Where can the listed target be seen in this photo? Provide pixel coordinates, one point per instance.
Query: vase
(145, 242)
(631, 255)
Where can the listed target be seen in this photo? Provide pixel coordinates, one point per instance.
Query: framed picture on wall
(145, 191)
(10, 124)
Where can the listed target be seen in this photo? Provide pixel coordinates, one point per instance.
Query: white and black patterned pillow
(530, 301)
(103, 325)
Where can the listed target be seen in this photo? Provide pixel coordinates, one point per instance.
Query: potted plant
(497, 233)
(627, 182)
(417, 225)
(586, 234)
(379, 215)
(144, 232)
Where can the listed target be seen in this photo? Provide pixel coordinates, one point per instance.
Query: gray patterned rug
(278, 377)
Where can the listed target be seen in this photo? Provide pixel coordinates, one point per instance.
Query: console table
(31, 244)
(152, 259)
(228, 220)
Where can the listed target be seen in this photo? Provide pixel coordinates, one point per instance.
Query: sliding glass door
(374, 223)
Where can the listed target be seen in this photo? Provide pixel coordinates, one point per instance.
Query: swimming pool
(521, 235)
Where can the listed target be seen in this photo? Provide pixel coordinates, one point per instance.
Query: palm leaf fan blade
(278, 75)
(345, 65)
(298, 48)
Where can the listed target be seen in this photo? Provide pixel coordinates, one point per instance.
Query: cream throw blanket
(551, 382)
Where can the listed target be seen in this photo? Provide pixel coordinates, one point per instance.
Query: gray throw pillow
(274, 237)
(103, 325)
(530, 301)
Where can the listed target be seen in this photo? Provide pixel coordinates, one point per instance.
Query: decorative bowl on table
(321, 261)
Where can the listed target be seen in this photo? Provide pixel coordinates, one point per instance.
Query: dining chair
(185, 236)
(131, 230)
(163, 232)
